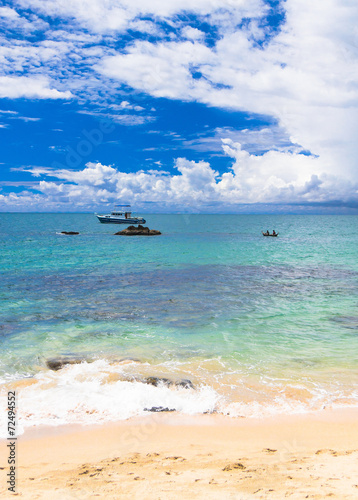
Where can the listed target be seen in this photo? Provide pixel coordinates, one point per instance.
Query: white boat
(122, 214)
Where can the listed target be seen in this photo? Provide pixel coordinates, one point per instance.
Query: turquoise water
(258, 324)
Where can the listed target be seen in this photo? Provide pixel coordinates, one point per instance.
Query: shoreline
(347, 414)
(203, 456)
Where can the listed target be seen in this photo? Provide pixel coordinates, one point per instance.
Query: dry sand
(167, 456)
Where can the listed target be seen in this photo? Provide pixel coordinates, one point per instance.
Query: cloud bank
(300, 69)
(274, 177)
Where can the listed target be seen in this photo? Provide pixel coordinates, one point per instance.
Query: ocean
(260, 326)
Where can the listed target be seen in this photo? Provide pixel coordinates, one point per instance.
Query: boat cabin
(120, 212)
(127, 215)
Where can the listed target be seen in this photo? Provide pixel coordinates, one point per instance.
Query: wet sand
(168, 456)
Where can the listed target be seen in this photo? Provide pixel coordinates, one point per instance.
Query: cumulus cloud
(104, 15)
(305, 76)
(274, 177)
(162, 70)
(192, 33)
(34, 87)
(85, 33)
(8, 13)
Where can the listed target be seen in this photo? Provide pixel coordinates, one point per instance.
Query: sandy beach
(167, 456)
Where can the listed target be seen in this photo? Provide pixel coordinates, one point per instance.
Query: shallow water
(260, 325)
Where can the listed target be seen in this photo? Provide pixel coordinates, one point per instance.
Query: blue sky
(202, 106)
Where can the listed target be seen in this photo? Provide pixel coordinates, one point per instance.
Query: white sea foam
(93, 393)
(82, 394)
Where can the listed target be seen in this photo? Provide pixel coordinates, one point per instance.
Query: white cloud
(125, 105)
(8, 13)
(306, 76)
(145, 27)
(192, 33)
(61, 58)
(19, 183)
(19, 56)
(123, 119)
(196, 184)
(8, 112)
(9, 18)
(274, 177)
(34, 87)
(131, 120)
(162, 70)
(25, 118)
(257, 140)
(109, 15)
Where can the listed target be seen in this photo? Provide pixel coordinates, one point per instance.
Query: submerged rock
(159, 408)
(157, 381)
(350, 322)
(69, 232)
(186, 383)
(58, 363)
(138, 231)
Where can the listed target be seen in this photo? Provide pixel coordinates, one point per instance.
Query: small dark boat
(268, 234)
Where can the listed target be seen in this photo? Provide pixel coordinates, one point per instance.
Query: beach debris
(326, 450)
(238, 465)
(69, 232)
(157, 409)
(58, 363)
(138, 231)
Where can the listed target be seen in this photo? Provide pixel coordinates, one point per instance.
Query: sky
(213, 106)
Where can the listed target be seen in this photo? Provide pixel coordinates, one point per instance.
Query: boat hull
(119, 220)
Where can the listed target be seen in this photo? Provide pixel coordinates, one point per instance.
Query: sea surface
(260, 326)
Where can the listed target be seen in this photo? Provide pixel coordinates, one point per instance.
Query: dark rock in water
(58, 363)
(157, 381)
(69, 232)
(350, 322)
(159, 408)
(138, 231)
(186, 383)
